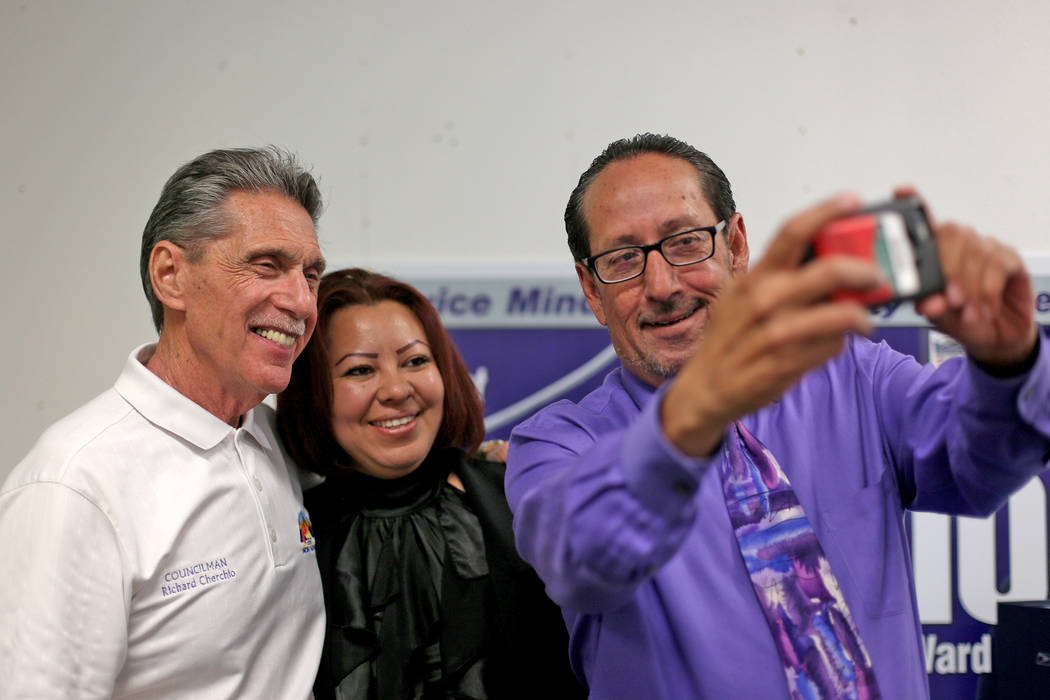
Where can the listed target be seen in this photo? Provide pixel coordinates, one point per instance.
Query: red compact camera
(894, 235)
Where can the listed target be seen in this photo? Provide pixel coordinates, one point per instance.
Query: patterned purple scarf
(812, 628)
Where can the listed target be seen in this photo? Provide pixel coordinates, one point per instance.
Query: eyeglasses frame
(588, 262)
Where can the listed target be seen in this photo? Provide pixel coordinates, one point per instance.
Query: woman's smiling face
(387, 392)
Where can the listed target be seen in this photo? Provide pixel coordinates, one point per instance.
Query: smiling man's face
(656, 320)
(250, 301)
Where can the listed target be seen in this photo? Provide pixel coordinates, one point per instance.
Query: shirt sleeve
(599, 502)
(63, 603)
(963, 440)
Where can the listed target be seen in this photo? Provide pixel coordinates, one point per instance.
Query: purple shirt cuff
(1031, 389)
(656, 471)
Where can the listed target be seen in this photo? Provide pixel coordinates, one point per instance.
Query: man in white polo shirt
(153, 543)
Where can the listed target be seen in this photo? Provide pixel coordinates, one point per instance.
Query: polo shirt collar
(162, 405)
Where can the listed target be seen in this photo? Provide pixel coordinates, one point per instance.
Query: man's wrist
(687, 430)
(1008, 370)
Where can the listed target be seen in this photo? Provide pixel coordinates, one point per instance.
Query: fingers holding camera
(747, 360)
(911, 192)
(788, 247)
(766, 329)
(987, 304)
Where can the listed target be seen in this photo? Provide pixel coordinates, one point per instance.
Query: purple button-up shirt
(633, 539)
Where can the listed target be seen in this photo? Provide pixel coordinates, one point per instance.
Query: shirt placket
(261, 486)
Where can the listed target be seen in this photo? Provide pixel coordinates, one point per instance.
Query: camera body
(894, 235)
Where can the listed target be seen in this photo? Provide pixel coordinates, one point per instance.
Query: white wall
(451, 133)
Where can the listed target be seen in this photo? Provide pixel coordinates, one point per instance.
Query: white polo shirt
(149, 549)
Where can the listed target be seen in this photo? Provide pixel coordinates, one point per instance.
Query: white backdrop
(449, 134)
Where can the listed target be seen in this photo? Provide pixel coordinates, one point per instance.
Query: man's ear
(167, 272)
(590, 290)
(738, 250)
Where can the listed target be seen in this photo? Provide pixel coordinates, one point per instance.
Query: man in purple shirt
(618, 501)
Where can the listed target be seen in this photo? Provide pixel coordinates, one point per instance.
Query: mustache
(673, 308)
(288, 326)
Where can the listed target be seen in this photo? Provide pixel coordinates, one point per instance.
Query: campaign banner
(556, 301)
(532, 340)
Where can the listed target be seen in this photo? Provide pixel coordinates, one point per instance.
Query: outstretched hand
(767, 328)
(493, 450)
(987, 305)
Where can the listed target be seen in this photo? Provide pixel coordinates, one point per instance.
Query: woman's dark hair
(304, 409)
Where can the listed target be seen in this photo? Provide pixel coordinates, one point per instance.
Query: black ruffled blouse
(408, 595)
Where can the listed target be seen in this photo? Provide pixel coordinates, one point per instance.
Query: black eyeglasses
(678, 249)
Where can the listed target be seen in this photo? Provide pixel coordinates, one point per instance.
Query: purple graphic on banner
(516, 368)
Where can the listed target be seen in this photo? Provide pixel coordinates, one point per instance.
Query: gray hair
(713, 182)
(189, 212)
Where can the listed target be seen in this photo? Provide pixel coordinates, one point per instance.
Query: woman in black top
(425, 594)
